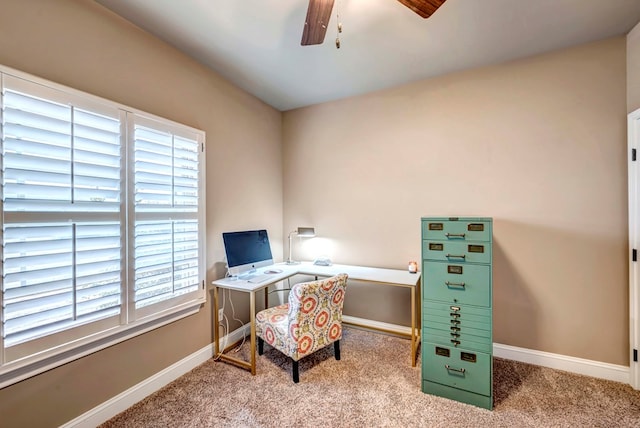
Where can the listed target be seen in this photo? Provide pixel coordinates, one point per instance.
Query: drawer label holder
(468, 357)
(443, 352)
(454, 269)
(475, 227)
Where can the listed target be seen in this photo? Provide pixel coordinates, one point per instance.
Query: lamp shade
(306, 232)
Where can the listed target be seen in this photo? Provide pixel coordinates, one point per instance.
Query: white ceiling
(256, 43)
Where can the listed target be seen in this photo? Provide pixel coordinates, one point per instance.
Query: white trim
(15, 372)
(377, 325)
(633, 131)
(581, 366)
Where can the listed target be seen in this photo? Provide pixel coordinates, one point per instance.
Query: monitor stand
(247, 274)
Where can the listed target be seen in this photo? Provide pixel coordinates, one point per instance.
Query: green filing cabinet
(457, 318)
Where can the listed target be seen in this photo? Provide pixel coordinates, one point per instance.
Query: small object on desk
(257, 279)
(273, 271)
(413, 267)
(322, 261)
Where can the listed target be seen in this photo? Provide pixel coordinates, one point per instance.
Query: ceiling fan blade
(424, 8)
(315, 25)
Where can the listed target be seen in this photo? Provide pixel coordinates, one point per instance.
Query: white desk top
(361, 273)
(242, 285)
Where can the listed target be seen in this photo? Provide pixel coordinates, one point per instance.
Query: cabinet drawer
(457, 251)
(467, 370)
(448, 326)
(461, 230)
(458, 340)
(457, 283)
(468, 316)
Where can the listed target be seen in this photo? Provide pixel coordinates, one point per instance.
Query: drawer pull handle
(455, 334)
(455, 328)
(454, 321)
(455, 342)
(454, 284)
(457, 256)
(451, 369)
(455, 314)
(453, 235)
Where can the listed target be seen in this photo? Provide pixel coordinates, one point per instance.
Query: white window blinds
(58, 275)
(61, 159)
(102, 219)
(166, 183)
(59, 154)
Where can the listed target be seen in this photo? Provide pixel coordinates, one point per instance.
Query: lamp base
(292, 262)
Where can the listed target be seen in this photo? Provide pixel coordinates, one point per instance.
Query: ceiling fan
(319, 13)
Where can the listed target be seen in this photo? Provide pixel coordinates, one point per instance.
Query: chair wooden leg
(336, 349)
(260, 345)
(296, 373)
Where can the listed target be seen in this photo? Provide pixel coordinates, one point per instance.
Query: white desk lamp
(304, 232)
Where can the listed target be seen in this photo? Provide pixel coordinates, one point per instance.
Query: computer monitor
(246, 251)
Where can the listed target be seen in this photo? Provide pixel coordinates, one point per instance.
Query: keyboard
(256, 279)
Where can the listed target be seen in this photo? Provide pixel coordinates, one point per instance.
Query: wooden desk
(394, 277)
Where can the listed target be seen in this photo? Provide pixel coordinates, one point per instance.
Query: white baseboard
(128, 398)
(377, 325)
(581, 366)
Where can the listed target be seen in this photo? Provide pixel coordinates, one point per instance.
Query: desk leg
(216, 329)
(252, 310)
(266, 297)
(219, 353)
(413, 327)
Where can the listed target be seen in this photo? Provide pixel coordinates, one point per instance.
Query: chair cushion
(272, 324)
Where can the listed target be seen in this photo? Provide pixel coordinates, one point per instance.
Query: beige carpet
(374, 385)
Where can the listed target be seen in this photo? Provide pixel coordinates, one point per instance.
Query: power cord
(233, 316)
(224, 323)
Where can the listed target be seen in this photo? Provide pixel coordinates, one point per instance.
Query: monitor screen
(247, 250)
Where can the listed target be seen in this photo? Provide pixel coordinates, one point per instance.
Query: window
(166, 208)
(102, 223)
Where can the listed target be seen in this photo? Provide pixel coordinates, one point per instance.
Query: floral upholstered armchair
(311, 320)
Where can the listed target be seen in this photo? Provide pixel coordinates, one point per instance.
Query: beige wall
(538, 144)
(82, 45)
(633, 67)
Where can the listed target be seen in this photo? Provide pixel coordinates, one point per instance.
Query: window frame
(130, 323)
